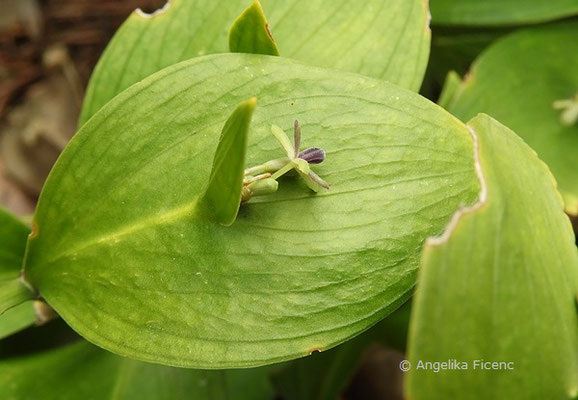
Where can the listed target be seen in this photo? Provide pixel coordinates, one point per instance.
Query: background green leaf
(450, 90)
(83, 371)
(500, 285)
(516, 81)
(386, 39)
(17, 318)
(13, 236)
(325, 375)
(500, 12)
(454, 49)
(12, 293)
(223, 194)
(321, 376)
(250, 33)
(138, 273)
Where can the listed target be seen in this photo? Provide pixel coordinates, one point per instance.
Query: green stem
(269, 166)
(12, 293)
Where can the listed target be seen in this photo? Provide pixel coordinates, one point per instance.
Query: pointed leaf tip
(223, 195)
(250, 33)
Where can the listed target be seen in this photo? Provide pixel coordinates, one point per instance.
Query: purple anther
(313, 155)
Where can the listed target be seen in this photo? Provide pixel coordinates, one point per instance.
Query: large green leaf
(386, 39)
(83, 371)
(516, 81)
(500, 12)
(123, 257)
(500, 286)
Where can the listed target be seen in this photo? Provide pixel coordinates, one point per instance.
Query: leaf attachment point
(223, 195)
(250, 33)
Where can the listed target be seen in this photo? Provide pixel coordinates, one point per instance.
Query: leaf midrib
(189, 209)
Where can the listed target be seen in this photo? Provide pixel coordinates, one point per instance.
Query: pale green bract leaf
(500, 12)
(223, 195)
(511, 265)
(251, 33)
(83, 371)
(517, 80)
(140, 273)
(387, 39)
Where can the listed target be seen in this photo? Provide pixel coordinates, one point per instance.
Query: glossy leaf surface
(386, 39)
(297, 271)
(511, 265)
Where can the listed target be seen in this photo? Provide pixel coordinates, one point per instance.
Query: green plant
(165, 234)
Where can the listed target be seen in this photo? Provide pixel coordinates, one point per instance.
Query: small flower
(259, 179)
(300, 161)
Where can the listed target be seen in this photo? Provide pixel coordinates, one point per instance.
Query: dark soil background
(47, 52)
